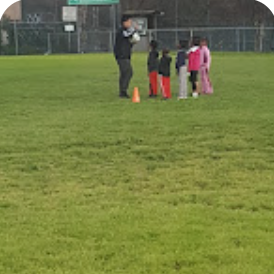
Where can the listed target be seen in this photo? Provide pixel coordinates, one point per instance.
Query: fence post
(111, 43)
(49, 44)
(191, 34)
(1, 36)
(79, 39)
(244, 40)
(238, 40)
(176, 36)
(150, 34)
(16, 38)
(79, 30)
(69, 42)
(262, 34)
(210, 40)
(114, 15)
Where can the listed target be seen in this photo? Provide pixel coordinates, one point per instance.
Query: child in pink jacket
(194, 63)
(206, 86)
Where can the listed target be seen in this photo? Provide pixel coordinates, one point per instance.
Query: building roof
(145, 13)
(14, 12)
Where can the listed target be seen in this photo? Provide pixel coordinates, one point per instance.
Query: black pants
(126, 74)
(193, 78)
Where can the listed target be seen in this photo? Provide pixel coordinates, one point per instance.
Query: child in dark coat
(153, 66)
(164, 72)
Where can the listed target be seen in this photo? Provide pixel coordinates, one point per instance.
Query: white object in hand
(135, 38)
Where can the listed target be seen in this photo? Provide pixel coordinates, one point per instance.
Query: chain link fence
(220, 39)
(86, 42)
(26, 39)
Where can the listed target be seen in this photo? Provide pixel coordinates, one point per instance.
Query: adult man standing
(125, 38)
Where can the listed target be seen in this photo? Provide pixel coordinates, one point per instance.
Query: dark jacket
(181, 59)
(153, 61)
(164, 67)
(123, 45)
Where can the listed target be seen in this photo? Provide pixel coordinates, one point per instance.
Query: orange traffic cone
(136, 96)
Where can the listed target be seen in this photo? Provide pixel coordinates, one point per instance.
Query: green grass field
(91, 184)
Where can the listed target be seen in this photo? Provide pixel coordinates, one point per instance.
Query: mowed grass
(91, 184)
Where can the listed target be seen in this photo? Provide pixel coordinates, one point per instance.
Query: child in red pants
(153, 66)
(164, 71)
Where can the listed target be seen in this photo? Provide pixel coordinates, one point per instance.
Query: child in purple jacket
(205, 57)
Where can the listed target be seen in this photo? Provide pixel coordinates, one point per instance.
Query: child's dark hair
(165, 52)
(125, 18)
(183, 44)
(154, 44)
(196, 41)
(203, 39)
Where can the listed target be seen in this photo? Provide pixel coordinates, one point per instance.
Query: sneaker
(195, 95)
(124, 96)
(182, 98)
